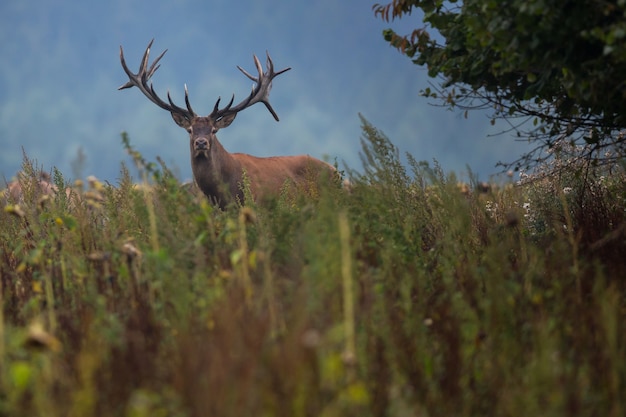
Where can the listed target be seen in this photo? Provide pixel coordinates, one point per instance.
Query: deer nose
(201, 144)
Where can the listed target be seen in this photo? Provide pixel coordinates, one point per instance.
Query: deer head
(216, 172)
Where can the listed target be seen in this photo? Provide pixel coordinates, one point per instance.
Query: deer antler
(260, 91)
(140, 80)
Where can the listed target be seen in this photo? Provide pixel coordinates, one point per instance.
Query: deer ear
(225, 121)
(180, 120)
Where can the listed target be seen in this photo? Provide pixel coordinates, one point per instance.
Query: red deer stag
(218, 173)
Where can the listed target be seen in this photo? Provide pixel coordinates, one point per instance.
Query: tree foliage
(553, 69)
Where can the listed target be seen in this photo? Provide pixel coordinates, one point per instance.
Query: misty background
(60, 72)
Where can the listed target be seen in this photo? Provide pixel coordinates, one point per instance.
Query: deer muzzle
(201, 144)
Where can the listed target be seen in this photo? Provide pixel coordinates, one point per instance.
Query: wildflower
(130, 250)
(15, 210)
(491, 208)
(94, 183)
(94, 196)
(463, 188)
(94, 199)
(39, 338)
(43, 200)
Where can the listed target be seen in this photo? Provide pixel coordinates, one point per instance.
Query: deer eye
(214, 130)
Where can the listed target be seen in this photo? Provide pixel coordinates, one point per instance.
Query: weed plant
(398, 295)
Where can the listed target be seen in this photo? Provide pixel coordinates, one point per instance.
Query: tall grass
(400, 296)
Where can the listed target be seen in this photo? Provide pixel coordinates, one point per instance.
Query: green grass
(403, 296)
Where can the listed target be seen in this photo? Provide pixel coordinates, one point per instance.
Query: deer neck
(217, 173)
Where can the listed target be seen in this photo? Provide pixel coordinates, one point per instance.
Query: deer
(217, 173)
(39, 186)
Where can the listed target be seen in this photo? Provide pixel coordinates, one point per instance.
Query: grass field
(407, 295)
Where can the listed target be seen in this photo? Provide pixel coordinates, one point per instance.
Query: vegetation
(552, 70)
(406, 295)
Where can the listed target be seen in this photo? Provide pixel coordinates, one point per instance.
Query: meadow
(406, 295)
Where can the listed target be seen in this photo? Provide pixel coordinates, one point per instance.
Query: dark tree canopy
(558, 64)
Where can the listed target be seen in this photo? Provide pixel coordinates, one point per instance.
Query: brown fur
(220, 174)
(18, 189)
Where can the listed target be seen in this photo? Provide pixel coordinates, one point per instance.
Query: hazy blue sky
(60, 72)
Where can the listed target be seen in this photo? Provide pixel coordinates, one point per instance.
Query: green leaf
(235, 256)
(21, 374)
